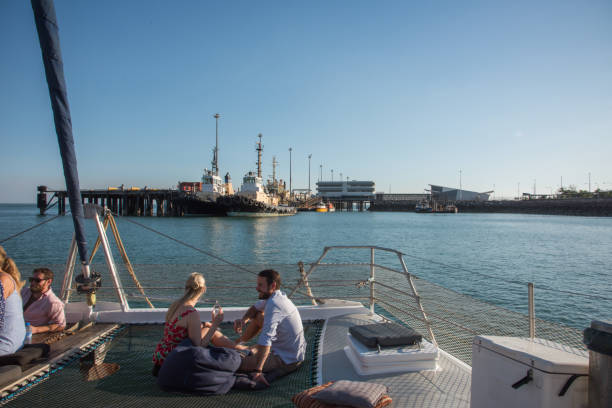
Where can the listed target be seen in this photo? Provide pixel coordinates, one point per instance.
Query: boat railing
(372, 282)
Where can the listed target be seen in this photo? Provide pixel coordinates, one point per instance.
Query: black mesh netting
(134, 386)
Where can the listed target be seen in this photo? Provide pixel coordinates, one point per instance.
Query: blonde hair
(194, 287)
(8, 265)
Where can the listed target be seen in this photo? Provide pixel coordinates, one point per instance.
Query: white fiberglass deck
(449, 386)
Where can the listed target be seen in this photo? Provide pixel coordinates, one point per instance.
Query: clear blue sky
(402, 93)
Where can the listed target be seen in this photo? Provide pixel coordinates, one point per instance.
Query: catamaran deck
(449, 386)
(61, 380)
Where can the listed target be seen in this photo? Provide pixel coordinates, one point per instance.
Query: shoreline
(591, 207)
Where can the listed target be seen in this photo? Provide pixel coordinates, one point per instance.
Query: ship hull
(192, 205)
(240, 206)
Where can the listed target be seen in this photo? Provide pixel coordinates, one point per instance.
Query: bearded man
(41, 308)
(281, 345)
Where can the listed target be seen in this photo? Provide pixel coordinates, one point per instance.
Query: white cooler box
(498, 363)
(369, 361)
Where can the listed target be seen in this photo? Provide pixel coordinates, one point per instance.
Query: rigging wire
(29, 229)
(190, 246)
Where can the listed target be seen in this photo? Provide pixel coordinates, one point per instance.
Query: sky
(503, 95)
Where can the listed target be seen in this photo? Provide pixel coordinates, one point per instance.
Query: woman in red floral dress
(183, 320)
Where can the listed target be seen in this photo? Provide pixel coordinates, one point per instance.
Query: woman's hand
(217, 318)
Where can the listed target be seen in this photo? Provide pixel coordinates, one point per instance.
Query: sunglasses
(37, 280)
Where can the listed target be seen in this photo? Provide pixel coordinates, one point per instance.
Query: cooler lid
(543, 355)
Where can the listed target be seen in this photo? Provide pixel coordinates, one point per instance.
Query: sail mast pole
(48, 36)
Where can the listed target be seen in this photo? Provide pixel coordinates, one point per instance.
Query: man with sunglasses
(41, 308)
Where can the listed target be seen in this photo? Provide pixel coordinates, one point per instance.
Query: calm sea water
(489, 256)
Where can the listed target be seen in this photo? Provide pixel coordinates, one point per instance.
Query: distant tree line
(572, 192)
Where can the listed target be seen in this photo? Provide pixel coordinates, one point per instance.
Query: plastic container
(598, 339)
(521, 372)
(28, 337)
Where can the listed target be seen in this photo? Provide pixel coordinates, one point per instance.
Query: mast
(215, 162)
(259, 149)
(48, 37)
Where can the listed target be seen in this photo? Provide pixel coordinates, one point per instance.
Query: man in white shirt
(281, 345)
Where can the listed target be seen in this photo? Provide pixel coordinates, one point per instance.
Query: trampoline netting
(134, 386)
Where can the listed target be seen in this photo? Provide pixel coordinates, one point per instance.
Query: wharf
(600, 207)
(125, 202)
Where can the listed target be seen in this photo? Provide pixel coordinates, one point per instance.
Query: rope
(109, 220)
(190, 246)
(125, 258)
(28, 229)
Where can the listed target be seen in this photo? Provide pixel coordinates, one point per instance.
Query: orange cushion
(304, 399)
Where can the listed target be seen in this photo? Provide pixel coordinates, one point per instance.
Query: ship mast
(215, 162)
(274, 163)
(259, 149)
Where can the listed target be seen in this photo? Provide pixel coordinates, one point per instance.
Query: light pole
(309, 157)
(460, 188)
(290, 175)
(321, 172)
(332, 172)
(216, 155)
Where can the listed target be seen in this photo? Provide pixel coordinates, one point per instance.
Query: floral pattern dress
(173, 335)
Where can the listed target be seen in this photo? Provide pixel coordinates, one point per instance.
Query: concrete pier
(124, 202)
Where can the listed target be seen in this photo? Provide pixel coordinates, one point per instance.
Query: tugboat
(321, 207)
(253, 199)
(423, 207)
(204, 200)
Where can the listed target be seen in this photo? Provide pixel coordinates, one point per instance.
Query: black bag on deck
(200, 370)
(385, 335)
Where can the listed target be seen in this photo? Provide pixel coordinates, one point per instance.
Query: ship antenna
(215, 162)
(259, 151)
(274, 163)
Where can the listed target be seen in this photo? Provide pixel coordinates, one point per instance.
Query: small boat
(321, 207)
(423, 207)
(330, 207)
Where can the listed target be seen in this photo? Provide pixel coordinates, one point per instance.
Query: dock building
(347, 194)
(441, 193)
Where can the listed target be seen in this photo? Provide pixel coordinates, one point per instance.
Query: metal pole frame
(372, 272)
(418, 299)
(111, 263)
(69, 271)
(531, 311)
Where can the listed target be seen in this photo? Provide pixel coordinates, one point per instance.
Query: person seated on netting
(41, 307)
(183, 321)
(12, 325)
(281, 346)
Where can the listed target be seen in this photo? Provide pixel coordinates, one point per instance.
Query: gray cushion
(385, 335)
(26, 355)
(9, 373)
(357, 394)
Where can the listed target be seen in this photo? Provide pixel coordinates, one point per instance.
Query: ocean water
(488, 256)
